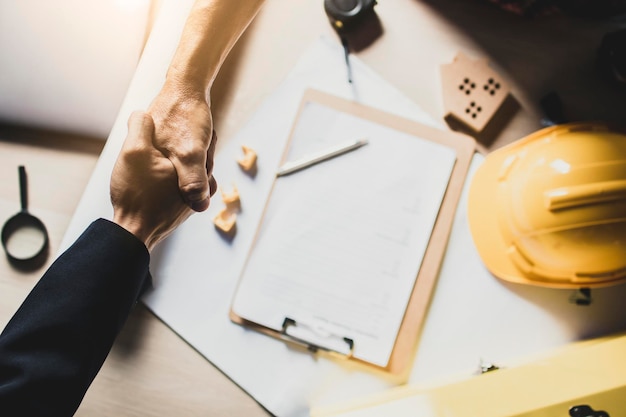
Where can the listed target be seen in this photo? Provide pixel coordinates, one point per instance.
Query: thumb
(193, 182)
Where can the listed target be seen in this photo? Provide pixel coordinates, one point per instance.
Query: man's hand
(181, 111)
(144, 185)
(184, 134)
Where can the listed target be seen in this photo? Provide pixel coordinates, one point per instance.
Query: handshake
(164, 171)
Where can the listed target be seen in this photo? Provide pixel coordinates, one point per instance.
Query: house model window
(473, 93)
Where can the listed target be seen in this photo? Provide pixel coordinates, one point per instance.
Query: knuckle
(194, 188)
(134, 153)
(191, 153)
(142, 117)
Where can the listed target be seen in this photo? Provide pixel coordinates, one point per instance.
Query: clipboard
(405, 339)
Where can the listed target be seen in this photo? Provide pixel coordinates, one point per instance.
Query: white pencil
(307, 161)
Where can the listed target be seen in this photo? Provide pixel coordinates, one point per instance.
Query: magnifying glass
(24, 236)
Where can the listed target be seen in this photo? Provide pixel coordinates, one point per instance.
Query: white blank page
(341, 242)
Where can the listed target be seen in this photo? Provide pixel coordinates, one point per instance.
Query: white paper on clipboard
(341, 242)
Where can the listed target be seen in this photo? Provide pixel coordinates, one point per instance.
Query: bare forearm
(181, 111)
(211, 30)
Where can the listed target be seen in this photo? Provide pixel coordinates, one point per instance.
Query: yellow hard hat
(550, 209)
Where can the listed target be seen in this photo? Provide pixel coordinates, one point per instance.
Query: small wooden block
(472, 92)
(225, 221)
(248, 161)
(231, 199)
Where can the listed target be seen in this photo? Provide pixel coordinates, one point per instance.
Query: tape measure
(344, 14)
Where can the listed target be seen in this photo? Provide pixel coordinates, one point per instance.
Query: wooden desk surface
(151, 371)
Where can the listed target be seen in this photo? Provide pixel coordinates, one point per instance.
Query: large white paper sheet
(197, 271)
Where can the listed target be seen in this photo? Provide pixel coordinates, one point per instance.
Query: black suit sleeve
(55, 344)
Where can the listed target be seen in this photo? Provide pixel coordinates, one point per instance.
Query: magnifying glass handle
(23, 188)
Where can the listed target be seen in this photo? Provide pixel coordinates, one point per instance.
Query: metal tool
(24, 236)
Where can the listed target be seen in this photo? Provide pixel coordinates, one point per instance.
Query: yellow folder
(585, 379)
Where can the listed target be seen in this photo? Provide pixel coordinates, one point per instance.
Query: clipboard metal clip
(337, 344)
